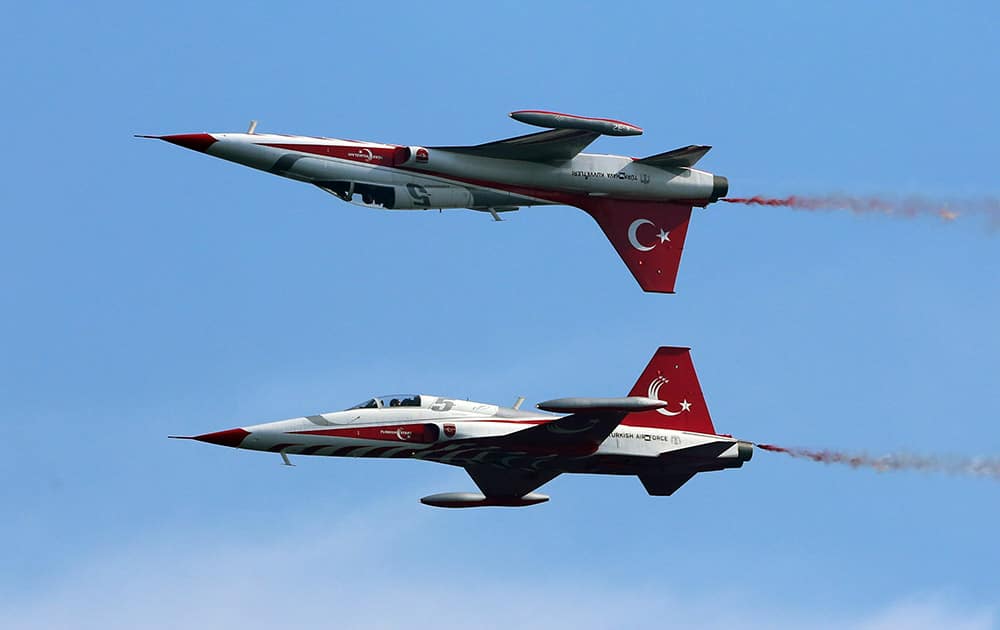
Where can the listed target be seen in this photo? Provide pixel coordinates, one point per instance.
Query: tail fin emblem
(654, 392)
(633, 238)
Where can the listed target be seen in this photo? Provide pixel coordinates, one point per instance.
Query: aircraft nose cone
(229, 437)
(193, 141)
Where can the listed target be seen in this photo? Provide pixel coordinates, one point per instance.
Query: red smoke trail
(907, 207)
(974, 466)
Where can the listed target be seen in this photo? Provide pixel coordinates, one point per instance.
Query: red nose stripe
(194, 141)
(229, 437)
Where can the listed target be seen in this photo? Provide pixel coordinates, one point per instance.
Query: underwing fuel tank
(556, 120)
(475, 499)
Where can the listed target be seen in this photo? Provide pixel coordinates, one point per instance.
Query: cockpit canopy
(391, 400)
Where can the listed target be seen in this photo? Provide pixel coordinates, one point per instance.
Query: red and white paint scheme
(642, 204)
(661, 432)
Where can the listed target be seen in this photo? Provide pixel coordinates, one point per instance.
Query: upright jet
(661, 432)
(642, 204)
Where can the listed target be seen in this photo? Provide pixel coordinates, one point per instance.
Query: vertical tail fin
(670, 377)
(649, 237)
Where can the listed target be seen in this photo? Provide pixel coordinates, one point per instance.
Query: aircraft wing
(505, 466)
(590, 422)
(676, 470)
(568, 135)
(553, 146)
(575, 434)
(499, 482)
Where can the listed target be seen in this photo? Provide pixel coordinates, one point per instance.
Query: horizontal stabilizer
(684, 156)
(664, 485)
(599, 405)
(552, 147)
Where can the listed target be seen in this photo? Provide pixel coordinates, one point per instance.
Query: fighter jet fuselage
(391, 177)
(643, 205)
(661, 433)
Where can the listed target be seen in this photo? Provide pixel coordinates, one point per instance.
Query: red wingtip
(229, 437)
(193, 141)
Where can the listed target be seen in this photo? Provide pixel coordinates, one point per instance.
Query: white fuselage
(443, 426)
(422, 178)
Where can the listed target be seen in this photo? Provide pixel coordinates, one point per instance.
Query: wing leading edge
(554, 146)
(568, 135)
(577, 434)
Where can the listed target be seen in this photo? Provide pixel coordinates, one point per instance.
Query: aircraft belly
(248, 154)
(300, 166)
(479, 197)
(660, 449)
(319, 169)
(488, 198)
(346, 447)
(643, 442)
(635, 464)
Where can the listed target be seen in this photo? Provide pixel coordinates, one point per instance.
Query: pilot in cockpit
(397, 400)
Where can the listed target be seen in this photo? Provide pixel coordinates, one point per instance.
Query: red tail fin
(670, 377)
(649, 236)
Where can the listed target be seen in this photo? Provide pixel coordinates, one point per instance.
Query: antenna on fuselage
(285, 460)
(253, 127)
(517, 403)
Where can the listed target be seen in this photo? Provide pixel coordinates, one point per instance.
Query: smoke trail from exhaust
(968, 466)
(909, 207)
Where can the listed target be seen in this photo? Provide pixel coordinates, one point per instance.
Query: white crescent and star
(633, 238)
(654, 392)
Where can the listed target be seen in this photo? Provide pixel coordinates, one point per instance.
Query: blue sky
(152, 291)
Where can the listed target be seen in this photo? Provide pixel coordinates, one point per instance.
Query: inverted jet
(642, 204)
(661, 432)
